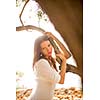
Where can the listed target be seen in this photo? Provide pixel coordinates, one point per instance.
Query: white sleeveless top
(46, 78)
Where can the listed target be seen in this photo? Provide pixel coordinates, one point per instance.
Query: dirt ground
(59, 94)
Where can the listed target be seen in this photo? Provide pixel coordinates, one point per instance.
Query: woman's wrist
(64, 60)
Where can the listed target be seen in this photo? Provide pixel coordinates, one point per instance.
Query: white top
(46, 79)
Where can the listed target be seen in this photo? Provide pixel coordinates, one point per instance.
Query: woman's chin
(49, 56)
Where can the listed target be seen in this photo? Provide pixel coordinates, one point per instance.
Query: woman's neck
(52, 62)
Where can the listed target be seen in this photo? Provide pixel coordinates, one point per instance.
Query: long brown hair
(37, 50)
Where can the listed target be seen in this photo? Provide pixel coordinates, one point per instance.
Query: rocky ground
(59, 94)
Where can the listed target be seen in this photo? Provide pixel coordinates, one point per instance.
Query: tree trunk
(67, 17)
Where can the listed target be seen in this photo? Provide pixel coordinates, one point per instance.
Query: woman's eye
(43, 48)
(49, 45)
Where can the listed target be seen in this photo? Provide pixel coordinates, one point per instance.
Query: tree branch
(29, 27)
(22, 12)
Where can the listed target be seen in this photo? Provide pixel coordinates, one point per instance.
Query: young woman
(45, 70)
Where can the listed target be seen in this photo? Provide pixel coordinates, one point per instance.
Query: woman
(45, 70)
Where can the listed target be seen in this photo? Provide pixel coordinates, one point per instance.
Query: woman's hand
(49, 34)
(61, 56)
(62, 47)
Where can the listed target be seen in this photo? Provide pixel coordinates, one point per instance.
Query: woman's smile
(49, 53)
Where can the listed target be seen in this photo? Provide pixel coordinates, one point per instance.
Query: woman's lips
(49, 53)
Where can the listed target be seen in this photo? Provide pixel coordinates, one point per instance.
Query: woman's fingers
(49, 34)
(60, 55)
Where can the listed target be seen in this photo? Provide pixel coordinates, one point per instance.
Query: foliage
(19, 76)
(19, 73)
(18, 2)
(40, 14)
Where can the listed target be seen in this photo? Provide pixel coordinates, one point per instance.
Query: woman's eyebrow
(43, 47)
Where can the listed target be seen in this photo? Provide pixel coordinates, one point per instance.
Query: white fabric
(46, 79)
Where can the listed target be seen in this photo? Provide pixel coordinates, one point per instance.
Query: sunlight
(25, 56)
(25, 45)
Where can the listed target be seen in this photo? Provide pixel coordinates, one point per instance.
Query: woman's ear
(41, 54)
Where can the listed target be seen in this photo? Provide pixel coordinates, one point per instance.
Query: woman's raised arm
(62, 47)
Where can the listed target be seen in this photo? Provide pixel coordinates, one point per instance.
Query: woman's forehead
(43, 43)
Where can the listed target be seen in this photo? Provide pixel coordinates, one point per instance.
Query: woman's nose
(47, 49)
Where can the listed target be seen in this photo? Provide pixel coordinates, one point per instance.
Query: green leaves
(40, 14)
(19, 73)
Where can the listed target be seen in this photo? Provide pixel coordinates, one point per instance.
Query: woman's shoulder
(42, 61)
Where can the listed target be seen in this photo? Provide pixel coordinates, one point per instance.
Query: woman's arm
(65, 51)
(62, 72)
(63, 68)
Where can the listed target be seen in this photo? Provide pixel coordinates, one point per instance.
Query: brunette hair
(37, 50)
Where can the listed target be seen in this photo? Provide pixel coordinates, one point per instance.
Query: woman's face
(46, 48)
